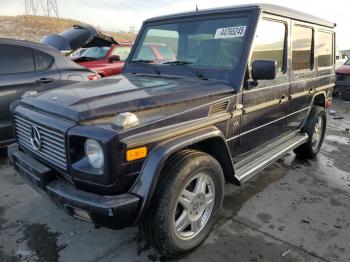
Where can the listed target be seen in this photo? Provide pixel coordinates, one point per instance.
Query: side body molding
(145, 185)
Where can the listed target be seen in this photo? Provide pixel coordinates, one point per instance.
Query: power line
(41, 7)
(132, 29)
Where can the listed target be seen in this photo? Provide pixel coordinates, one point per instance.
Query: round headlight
(94, 153)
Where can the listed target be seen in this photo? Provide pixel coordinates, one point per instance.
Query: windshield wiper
(185, 63)
(177, 62)
(142, 61)
(146, 61)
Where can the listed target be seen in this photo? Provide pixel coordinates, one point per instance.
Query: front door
(265, 106)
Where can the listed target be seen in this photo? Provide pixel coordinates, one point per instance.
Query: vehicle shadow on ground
(3, 156)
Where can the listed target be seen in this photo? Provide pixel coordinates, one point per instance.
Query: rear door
(23, 71)
(265, 106)
(304, 74)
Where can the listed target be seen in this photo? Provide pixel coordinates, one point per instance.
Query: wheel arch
(318, 99)
(205, 140)
(217, 148)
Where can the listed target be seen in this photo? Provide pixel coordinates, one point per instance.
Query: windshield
(215, 43)
(347, 62)
(96, 52)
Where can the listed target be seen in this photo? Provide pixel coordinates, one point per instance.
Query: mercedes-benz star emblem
(35, 138)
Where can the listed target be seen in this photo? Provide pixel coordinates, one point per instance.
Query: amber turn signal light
(136, 153)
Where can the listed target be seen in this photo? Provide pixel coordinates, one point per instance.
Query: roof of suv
(268, 8)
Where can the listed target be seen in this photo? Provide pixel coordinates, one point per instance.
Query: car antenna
(196, 8)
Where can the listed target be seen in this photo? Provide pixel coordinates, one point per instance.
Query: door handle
(312, 90)
(44, 80)
(284, 99)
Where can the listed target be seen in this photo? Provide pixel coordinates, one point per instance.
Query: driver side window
(122, 52)
(270, 42)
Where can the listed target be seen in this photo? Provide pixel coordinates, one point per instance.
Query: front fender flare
(145, 185)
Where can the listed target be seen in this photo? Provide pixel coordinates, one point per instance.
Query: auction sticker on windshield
(230, 32)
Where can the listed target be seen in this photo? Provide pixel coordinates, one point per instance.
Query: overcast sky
(120, 14)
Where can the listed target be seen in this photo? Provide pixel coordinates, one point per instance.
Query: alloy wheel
(317, 134)
(194, 206)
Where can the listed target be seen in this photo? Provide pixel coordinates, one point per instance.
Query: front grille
(53, 144)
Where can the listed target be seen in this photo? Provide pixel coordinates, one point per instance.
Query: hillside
(33, 28)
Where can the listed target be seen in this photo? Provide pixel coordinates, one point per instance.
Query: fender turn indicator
(328, 103)
(136, 153)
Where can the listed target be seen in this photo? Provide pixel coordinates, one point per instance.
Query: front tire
(186, 203)
(315, 128)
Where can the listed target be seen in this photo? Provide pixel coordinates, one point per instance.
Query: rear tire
(186, 203)
(315, 128)
(345, 94)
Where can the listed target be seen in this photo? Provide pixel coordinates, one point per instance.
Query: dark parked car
(155, 145)
(342, 84)
(77, 37)
(27, 68)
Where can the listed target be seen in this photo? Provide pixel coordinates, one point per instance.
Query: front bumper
(108, 211)
(6, 135)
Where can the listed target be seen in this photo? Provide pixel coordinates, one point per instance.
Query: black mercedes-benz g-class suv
(155, 145)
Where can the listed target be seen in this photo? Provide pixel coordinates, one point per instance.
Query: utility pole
(132, 29)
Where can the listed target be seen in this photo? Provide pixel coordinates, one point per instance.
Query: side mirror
(113, 58)
(264, 70)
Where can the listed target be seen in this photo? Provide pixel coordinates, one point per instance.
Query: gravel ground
(293, 211)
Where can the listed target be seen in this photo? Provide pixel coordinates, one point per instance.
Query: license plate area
(32, 170)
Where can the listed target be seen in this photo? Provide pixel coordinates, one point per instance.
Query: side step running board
(254, 163)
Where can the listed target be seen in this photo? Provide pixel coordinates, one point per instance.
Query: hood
(78, 37)
(124, 93)
(344, 69)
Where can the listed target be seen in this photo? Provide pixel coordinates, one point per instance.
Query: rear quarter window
(302, 45)
(325, 49)
(16, 59)
(42, 61)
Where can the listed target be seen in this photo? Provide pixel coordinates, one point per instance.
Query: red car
(102, 54)
(98, 52)
(106, 61)
(158, 53)
(342, 84)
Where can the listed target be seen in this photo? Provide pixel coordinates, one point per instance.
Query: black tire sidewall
(345, 94)
(316, 113)
(165, 209)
